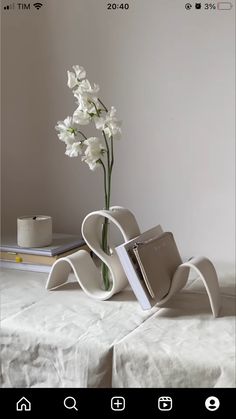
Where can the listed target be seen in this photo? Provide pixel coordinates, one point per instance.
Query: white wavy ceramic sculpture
(89, 275)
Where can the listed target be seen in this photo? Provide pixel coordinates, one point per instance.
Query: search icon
(70, 403)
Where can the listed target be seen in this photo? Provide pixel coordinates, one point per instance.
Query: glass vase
(105, 272)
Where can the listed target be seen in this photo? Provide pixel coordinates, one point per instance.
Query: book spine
(19, 257)
(133, 278)
(25, 266)
(27, 258)
(49, 252)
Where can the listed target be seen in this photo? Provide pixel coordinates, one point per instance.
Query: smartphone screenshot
(117, 129)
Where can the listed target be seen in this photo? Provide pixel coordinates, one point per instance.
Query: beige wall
(169, 72)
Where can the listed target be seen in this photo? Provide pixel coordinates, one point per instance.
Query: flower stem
(81, 133)
(105, 182)
(105, 108)
(107, 185)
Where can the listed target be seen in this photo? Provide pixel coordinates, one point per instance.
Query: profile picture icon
(212, 403)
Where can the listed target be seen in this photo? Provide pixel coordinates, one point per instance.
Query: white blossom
(93, 152)
(90, 108)
(74, 78)
(99, 122)
(73, 150)
(68, 130)
(109, 123)
(85, 102)
(84, 88)
(81, 116)
(79, 71)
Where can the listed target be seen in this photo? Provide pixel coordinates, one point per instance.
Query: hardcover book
(24, 266)
(131, 268)
(158, 259)
(150, 261)
(18, 257)
(60, 244)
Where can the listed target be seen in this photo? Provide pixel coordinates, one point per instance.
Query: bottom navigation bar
(117, 402)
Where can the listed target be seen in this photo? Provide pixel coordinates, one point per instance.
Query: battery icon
(224, 5)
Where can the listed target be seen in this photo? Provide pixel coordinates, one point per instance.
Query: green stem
(108, 150)
(81, 133)
(107, 189)
(105, 182)
(105, 244)
(110, 169)
(105, 108)
(95, 106)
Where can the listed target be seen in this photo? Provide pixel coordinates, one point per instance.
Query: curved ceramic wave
(85, 270)
(88, 274)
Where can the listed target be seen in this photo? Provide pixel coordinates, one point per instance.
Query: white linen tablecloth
(64, 339)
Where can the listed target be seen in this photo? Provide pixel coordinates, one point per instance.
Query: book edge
(134, 282)
(25, 266)
(41, 252)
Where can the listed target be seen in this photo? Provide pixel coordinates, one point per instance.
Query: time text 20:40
(117, 6)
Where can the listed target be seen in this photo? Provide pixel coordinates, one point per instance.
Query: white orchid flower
(73, 150)
(93, 152)
(76, 77)
(68, 130)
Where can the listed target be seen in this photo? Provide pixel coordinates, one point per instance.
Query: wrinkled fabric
(60, 338)
(179, 346)
(65, 339)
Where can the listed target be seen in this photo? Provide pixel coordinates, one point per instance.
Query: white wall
(169, 72)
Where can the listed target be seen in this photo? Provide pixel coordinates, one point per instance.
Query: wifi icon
(37, 5)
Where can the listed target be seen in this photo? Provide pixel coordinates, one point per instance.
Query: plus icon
(118, 403)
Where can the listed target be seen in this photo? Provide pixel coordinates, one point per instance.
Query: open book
(150, 261)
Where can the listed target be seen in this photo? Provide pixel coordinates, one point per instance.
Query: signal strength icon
(9, 7)
(37, 5)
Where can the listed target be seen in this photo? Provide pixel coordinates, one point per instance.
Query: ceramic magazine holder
(89, 276)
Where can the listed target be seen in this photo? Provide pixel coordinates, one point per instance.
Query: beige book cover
(158, 259)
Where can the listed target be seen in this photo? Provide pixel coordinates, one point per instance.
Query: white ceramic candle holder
(34, 231)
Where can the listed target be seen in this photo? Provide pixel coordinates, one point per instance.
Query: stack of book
(149, 262)
(39, 259)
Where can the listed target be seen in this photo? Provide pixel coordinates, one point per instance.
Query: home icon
(23, 405)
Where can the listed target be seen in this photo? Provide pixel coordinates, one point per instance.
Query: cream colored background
(169, 72)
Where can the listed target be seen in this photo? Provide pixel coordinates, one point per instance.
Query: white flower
(79, 71)
(73, 150)
(112, 129)
(85, 88)
(87, 103)
(99, 122)
(74, 78)
(109, 123)
(93, 152)
(72, 81)
(68, 130)
(81, 116)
